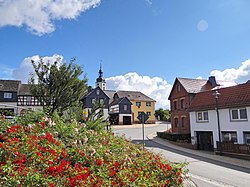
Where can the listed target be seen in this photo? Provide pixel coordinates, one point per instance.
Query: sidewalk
(243, 165)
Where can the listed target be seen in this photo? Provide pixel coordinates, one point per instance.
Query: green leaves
(58, 85)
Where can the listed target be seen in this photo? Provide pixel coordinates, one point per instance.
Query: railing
(234, 148)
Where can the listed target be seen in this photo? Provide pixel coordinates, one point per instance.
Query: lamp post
(217, 94)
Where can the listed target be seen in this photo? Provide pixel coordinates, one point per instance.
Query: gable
(177, 90)
(97, 92)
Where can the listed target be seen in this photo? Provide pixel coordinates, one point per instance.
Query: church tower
(100, 81)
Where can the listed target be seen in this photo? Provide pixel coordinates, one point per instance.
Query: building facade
(16, 98)
(140, 103)
(233, 120)
(181, 96)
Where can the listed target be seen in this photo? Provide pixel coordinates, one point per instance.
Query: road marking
(207, 180)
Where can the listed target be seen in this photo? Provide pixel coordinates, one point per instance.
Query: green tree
(164, 115)
(58, 85)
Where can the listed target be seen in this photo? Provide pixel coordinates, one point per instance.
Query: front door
(205, 141)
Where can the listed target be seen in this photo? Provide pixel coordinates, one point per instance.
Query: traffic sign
(143, 117)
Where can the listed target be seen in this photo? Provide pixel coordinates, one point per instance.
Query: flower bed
(39, 152)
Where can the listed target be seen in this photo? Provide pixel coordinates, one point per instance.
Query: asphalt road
(203, 172)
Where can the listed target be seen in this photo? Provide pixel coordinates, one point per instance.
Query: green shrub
(55, 153)
(174, 137)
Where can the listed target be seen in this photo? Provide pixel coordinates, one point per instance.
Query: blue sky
(142, 44)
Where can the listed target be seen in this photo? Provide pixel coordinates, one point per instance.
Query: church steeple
(100, 81)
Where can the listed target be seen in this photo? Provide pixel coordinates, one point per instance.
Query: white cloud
(39, 15)
(26, 68)
(240, 75)
(156, 88)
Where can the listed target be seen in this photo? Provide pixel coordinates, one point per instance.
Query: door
(126, 120)
(205, 141)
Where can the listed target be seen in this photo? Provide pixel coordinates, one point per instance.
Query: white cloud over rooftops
(38, 15)
(240, 75)
(25, 69)
(156, 87)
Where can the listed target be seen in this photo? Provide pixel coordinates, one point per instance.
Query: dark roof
(119, 100)
(90, 92)
(110, 94)
(9, 85)
(234, 96)
(24, 89)
(134, 96)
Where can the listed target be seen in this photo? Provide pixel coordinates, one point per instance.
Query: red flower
(51, 184)
(43, 124)
(112, 173)
(98, 162)
(132, 179)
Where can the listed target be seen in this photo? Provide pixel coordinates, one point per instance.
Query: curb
(233, 163)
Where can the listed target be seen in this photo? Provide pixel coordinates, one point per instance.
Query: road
(203, 172)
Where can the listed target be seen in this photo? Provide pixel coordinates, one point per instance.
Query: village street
(205, 169)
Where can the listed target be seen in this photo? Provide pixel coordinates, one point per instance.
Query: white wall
(225, 125)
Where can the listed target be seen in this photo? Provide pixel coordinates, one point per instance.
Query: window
(178, 88)
(202, 116)
(7, 95)
(149, 113)
(140, 112)
(247, 138)
(101, 101)
(182, 104)
(93, 101)
(238, 114)
(183, 121)
(97, 92)
(125, 107)
(148, 103)
(175, 105)
(29, 99)
(229, 136)
(138, 104)
(176, 122)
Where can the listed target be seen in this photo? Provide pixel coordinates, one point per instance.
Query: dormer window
(7, 95)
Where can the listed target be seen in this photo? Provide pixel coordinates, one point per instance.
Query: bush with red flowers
(38, 151)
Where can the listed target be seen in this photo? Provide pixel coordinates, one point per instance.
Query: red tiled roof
(234, 96)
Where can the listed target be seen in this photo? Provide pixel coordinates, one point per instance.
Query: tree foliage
(58, 84)
(162, 114)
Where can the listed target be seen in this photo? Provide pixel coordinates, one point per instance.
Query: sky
(142, 44)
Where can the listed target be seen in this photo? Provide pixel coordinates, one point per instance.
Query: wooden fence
(234, 148)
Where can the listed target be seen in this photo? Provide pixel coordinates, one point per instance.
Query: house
(94, 96)
(120, 111)
(140, 103)
(16, 98)
(233, 119)
(8, 97)
(122, 106)
(26, 101)
(181, 96)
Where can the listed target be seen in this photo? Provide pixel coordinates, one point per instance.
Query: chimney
(212, 81)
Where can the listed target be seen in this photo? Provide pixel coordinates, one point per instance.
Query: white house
(233, 119)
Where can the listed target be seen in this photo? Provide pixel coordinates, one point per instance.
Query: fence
(234, 148)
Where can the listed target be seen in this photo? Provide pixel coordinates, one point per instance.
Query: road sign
(143, 117)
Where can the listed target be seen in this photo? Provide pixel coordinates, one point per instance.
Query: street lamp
(217, 94)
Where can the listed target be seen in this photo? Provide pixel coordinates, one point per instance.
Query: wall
(225, 125)
(144, 108)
